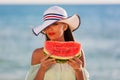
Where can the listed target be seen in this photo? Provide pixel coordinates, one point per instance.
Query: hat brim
(73, 22)
(40, 28)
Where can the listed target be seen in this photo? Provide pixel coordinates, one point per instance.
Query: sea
(99, 34)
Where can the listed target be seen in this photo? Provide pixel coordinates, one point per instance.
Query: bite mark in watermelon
(62, 51)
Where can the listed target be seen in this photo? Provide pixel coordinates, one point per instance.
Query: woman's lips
(51, 33)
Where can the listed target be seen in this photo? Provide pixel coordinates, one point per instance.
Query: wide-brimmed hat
(57, 14)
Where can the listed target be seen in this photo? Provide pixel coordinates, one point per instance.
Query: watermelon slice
(62, 51)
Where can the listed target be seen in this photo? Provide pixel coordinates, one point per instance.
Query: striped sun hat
(57, 14)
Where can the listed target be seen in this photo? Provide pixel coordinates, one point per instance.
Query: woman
(57, 27)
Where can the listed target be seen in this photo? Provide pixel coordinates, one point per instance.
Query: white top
(59, 71)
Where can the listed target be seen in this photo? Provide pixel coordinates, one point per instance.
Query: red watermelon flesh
(62, 50)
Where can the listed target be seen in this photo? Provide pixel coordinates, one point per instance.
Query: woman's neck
(59, 39)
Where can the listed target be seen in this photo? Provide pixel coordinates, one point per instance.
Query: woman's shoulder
(38, 50)
(37, 55)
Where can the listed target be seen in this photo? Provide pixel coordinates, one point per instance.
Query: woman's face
(55, 32)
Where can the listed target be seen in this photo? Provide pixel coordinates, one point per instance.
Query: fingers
(76, 63)
(47, 62)
(45, 58)
(72, 63)
(78, 60)
(71, 60)
(50, 62)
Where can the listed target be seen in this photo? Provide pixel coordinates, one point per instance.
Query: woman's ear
(65, 27)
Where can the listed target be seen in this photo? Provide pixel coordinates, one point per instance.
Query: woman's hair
(68, 36)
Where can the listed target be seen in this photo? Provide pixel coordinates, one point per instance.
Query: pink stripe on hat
(53, 16)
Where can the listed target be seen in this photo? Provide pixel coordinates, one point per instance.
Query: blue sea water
(99, 34)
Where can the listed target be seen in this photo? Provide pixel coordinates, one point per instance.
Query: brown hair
(67, 35)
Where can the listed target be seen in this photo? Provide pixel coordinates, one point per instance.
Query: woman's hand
(46, 62)
(75, 63)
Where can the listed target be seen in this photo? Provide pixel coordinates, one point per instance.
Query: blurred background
(99, 34)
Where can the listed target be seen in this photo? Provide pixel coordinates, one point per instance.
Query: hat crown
(56, 10)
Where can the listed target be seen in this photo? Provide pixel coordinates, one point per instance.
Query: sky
(59, 1)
